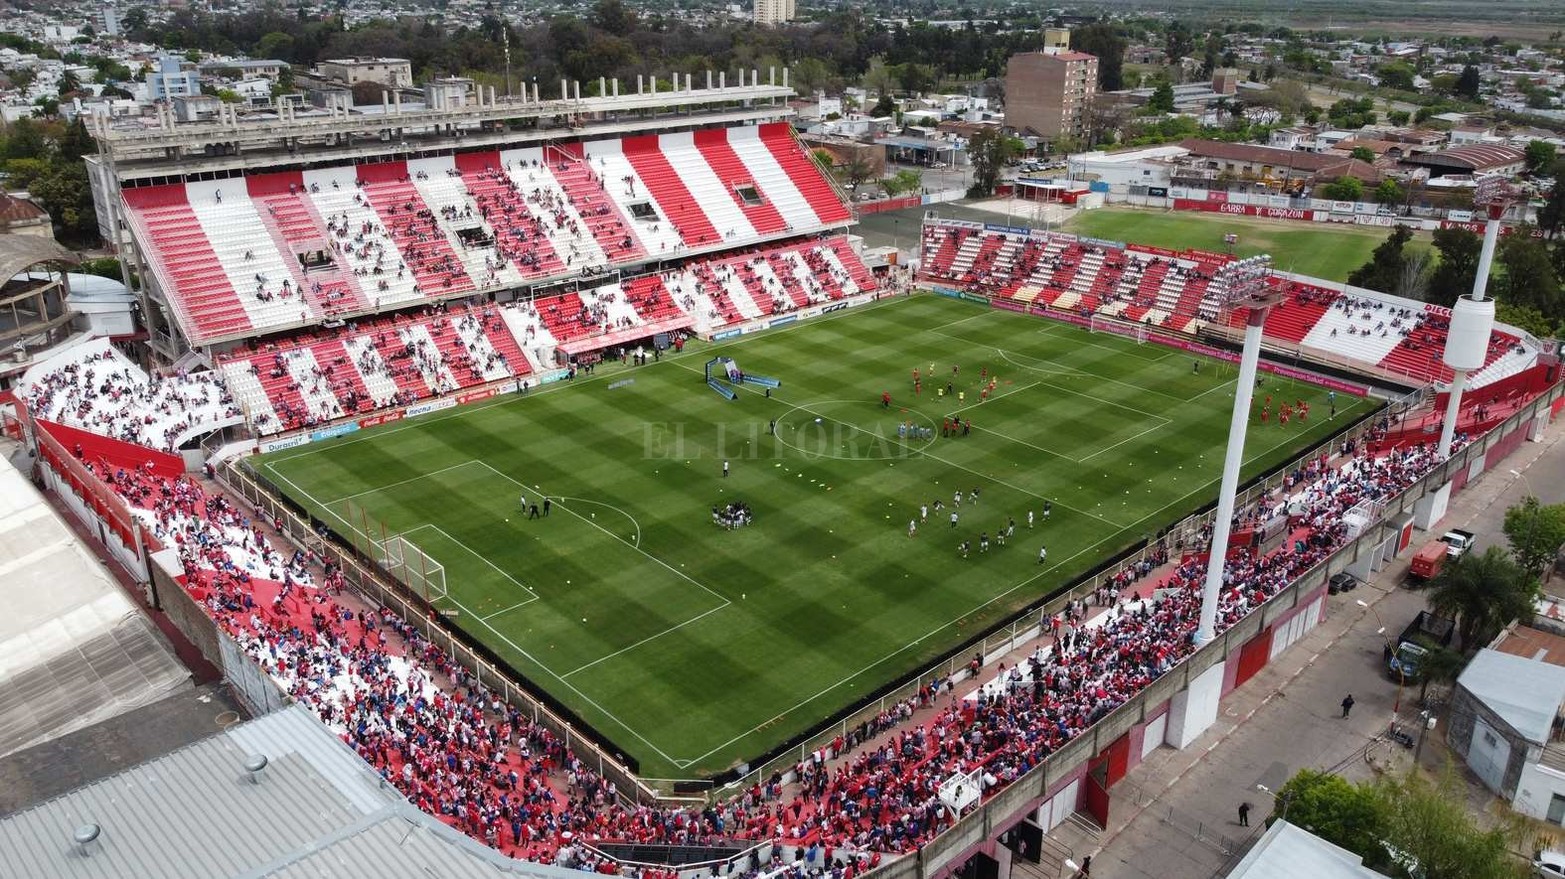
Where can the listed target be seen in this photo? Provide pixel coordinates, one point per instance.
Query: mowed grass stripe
(828, 596)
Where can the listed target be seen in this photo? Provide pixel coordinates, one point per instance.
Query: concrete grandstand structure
(307, 273)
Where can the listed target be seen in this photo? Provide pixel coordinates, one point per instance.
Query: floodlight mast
(1243, 284)
(1472, 318)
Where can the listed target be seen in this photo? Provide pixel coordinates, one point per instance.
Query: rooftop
(201, 812)
(1525, 693)
(1288, 852)
(1535, 644)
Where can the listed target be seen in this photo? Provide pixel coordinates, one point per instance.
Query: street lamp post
(1396, 707)
(1472, 317)
(1286, 798)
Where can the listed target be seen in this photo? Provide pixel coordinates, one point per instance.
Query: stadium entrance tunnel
(670, 855)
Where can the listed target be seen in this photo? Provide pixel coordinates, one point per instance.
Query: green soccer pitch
(695, 648)
(1330, 251)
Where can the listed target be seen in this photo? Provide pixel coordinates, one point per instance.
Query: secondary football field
(694, 647)
(1330, 251)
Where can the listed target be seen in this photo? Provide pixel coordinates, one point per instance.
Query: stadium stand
(443, 739)
(1171, 291)
(314, 378)
(393, 233)
(92, 386)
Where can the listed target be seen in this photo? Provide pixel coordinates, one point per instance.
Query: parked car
(1548, 865)
(1341, 582)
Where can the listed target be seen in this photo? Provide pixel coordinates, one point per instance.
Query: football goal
(1098, 323)
(413, 567)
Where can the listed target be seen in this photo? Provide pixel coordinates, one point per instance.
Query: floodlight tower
(1472, 319)
(1243, 284)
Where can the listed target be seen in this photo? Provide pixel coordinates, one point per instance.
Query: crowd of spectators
(449, 744)
(95, 388)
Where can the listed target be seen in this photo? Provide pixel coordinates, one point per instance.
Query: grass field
(693, 647)
(1329, 252)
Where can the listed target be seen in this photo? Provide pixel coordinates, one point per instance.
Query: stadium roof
(1318, 164)
(17, 252)
(1470, 158)
(1288, 852)
(74, 650)
(315, 810)
(1526, 693)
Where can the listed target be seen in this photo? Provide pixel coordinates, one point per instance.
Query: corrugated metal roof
(1477, 157)
(315, 810)
(1526, 693)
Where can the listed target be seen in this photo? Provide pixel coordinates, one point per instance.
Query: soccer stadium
(575, 464)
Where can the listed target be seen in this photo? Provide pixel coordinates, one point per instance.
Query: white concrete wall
(1194, 709)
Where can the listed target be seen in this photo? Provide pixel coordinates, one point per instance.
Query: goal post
(413, 567)
(1101, 323)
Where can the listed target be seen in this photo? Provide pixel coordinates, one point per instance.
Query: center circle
(855, 430)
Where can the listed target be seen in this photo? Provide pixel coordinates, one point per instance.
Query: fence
(1010, 805)
(374, 586)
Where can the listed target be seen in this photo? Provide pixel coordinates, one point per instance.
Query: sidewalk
(1175, 816)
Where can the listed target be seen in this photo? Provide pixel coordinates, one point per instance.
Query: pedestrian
(974, 495)
(725, 469)
(983, 542)
(546, 505)
(532, 512)
(1195, 367)
(524, 501)
(1043, 553)
(964, 548)
(999, 536)
(953, 519)
(885, 399)
(1048, 507)
(923, 512)
(956, 497)
(1244, 814)
(1347, 705)
(772, 427)
(1029, 518)
(1010, 526)
(912, 527)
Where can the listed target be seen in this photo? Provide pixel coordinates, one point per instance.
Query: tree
(20, 173)
(1341, 813)
(1179, 44)
(1398, 117)
(1162, 100)
(1104, 41)
(67, 195)
(75, 142)
(1453, 276)
(1343, 189)
(1527, 318)
(1467, 84)
(856, 168)
(1396, 76)
(1365, 154)
(1440, 665)
(989, 150)
(1540, 156)
(1551, 217)
(1389, 191)
(1413, 283)
(1536, 532)
(1429, 822)
(884, 107)
(1483, 592)
(1529, 277)
(612, 16)
(904, 181)
(1386, 264)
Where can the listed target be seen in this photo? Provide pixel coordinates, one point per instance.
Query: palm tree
(1441, 665)
(1483, 592)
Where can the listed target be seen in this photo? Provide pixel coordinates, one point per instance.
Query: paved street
(1175, 817)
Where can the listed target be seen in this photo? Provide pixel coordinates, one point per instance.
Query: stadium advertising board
(1103, 242)
(1008, 230)
(381, 418)
(287, 442)
(484, 393)
(1157, 191)
(431, 406)
(549, 378)
(736, 332)
(1275, 368)
(974, 297)
(1009, 305)
(1244, 210)
(1155, 251)
(335, 430)
(783, 321)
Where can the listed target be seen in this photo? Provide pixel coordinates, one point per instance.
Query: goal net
(414, 567)
(1099, 323)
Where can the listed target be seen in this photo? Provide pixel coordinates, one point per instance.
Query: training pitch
(695, 648)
